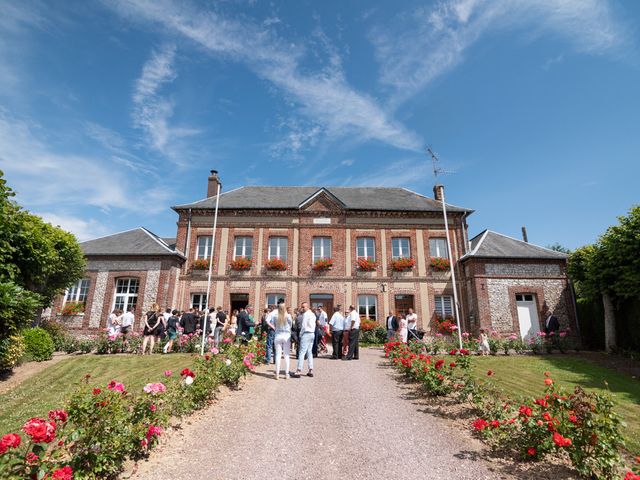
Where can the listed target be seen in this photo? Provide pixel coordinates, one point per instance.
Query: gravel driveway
(349, 421)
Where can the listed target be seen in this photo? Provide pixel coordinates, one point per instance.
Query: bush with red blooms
(444, 324)
(366, 264)
(582, 425)
(366, 325)
(276, 264)
(104, 425)
(440, 264)
(241, 263)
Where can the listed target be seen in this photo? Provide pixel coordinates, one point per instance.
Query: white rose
(188, 380)
(228, 362)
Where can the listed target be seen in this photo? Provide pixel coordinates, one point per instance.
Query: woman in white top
(402, 330)
(232, 326)
(282, 323)
(113, 323)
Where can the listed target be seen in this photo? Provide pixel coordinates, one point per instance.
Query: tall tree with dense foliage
(610, 269)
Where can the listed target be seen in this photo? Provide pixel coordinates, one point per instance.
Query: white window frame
(78, 292)
(202, 303)
(368, 303)
(366, 248)
(203, 247)
(322, 249)
(278, 248)
(440, 302)
(274, 297)
(243, 247)
(398, 249)
(436, 247)
(131, 282)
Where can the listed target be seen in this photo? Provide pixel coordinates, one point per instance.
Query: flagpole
(456, 311)
(213, 246)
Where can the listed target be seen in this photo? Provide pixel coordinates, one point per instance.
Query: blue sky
(112, 111)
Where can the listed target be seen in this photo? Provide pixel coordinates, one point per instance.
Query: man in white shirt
(126, 326)
(354, 334)
(337, 327)
(322, 323)
(412, 325)
(307, 334)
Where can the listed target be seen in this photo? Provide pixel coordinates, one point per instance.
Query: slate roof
(138, 241)
(353, 198)
(490, 244)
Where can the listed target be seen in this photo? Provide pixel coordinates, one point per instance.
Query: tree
(557, 247)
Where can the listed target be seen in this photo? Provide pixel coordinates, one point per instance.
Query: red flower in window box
(322, 264)
(73, 308)
(367, 264)
(402, 264)
(200, 264)
(241, 263)
(276, 264)
(440, 264)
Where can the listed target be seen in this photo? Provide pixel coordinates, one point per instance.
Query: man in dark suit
(392, 327)
(189, 322)
(551, 325)
(244, 324)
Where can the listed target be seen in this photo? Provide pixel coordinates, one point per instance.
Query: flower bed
(402, 264)
(322, 265)
(580, 426)
(241, 264)
(103, 425)
(440, 264)
(366, 264)
(275, 264)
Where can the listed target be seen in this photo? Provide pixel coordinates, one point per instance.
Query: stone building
(269, 242)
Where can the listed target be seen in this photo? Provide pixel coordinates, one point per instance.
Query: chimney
(437, 191)
(524, 235)
(212, 184)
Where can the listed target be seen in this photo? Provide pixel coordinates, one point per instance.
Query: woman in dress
(484, 343)
(232, 327)
(113, 322)
(152, 324)
(402, 330)
(282, 323)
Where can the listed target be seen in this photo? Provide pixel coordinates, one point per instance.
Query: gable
(321, 201)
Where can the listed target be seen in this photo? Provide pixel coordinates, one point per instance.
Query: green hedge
(38, 344)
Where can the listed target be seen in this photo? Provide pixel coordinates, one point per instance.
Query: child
(484, 343)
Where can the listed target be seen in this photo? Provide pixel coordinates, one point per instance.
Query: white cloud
(325, 97)
(421, 45)
(347, 162)
(82, 229)
(43, 176)
(407, 172)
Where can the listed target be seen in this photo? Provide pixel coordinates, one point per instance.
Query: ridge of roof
(160, 242)
(530, 244)
(532, 248)
(110, 235)
(434, 200)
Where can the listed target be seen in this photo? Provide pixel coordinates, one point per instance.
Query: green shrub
(376, 336)
(11, 351)
(38, 344)
(58, 332)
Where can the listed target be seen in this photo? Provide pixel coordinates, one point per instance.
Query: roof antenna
(434, 159)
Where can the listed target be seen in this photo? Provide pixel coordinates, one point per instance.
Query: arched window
(126, 294)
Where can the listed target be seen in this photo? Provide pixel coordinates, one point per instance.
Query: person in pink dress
(402, 330)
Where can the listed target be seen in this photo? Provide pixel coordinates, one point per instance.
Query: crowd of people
(303, 330)
(401, 327)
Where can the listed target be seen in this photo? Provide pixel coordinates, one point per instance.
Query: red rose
(548, 381)
(490, 373)
(11, 440)
(573, 419)
(187, 373)
(480, 424)
(153, 408)
(495, 423)
(561, 441)
(547, 374)
(40, 430)
(64, 473)
(96, 391)
(452, 364)
(59, 415)
(464, 351)
(32, 458)
(531, 452)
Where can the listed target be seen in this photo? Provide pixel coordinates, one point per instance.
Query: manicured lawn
(49, 388)
(522, 376)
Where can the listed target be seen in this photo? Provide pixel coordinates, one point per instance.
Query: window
(199, 301)
(438, 247)
(204, 247)
(527, 297)
(400, 247)
(366, 247)
(321, 248)
(278, 248)
(444, 305)
(243, 247)
(126, 293)
(272, 299)
(77, 292)
(367, 306)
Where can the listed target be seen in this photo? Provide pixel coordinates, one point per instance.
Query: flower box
(200, 264)
(402, 264)
(366, 264)
(440, 264)
(241, 264)
(276, 265)
(73, 308)
(322, 265)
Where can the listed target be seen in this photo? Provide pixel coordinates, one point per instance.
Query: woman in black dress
(152, 325)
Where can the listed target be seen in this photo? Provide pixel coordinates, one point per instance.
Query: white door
(527, 315)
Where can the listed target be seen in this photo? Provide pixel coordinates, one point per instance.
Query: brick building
(299, 226)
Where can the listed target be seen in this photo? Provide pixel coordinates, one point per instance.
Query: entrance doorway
(239, 300)
(527, 315)
(403, 304)
(324, 300)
